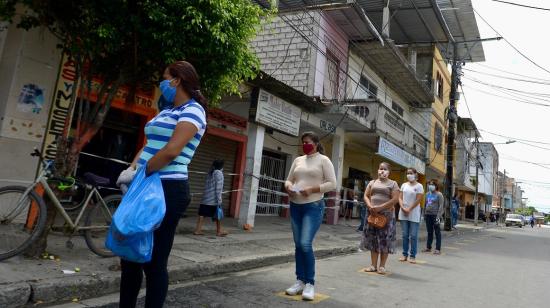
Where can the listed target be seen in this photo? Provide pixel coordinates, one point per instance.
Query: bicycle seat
(96, 180)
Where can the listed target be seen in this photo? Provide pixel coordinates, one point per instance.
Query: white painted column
(338, 158)
(255, 145)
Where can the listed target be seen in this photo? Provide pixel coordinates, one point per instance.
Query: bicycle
(23, 213)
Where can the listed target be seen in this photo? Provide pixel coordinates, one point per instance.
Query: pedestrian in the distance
(350, 195)
(363, 215)
(172, 138)
(381, 195)
(310, 176)
(532, 221)
(212, 198)
(455, 206)
(409, 214)
(433, 212)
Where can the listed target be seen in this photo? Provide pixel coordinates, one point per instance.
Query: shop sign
(398, 155)
(327, 126)
(276, 113)
(59, 110)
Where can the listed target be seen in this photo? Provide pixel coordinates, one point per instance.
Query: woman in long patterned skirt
(381, 195)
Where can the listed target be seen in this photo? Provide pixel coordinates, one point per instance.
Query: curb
(63, 290)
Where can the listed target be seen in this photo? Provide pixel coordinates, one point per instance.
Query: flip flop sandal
(403, 259)
(370, 269)
(437, 252)
(198, 233)
(412, 260)
(222, 234)
(382, 270)
(426, 250)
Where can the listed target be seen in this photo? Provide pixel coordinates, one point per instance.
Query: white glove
(126, 176)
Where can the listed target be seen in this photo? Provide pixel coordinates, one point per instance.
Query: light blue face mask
(168, 91)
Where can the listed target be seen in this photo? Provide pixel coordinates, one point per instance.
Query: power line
(546, 95)
(511, 73)
(508, 78)
(509, 43)
(466, 101)
(528, 162)
(514, 138)
(523, 5)
(509, 98)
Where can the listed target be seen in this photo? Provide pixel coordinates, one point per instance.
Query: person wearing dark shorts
(211, 198)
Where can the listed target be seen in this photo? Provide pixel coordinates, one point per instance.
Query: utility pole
(476, 201)
(452, 117)
(502, 197)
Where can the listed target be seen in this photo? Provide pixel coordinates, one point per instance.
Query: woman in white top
(310, 176)
(409, 214)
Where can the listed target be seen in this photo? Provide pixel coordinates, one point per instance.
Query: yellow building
(436, 164)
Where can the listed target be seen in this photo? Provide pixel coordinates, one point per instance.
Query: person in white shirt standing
(409, 214)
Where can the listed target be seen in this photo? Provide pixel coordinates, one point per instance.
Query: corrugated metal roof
(414, 21)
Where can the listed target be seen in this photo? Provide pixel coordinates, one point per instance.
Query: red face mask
(308, 148)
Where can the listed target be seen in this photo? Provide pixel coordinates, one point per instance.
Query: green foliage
(528, 211)
(132, 41)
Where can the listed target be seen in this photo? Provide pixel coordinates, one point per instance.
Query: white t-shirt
(409, 197)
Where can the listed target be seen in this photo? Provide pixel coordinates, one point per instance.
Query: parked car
(514, 220)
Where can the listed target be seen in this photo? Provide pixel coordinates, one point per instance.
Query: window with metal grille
(332, 76)
(368, 85)
(420, 144)
(438, 88)
(438, 138)
(394, 121)
(397, 108)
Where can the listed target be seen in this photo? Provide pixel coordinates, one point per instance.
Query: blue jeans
(306, 220)
(431, 226)
(454, 217)
(409, 229)
(363, 217)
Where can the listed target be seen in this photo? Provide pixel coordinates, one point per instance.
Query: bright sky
(527, 30)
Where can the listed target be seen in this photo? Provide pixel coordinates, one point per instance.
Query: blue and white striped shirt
(159, 130)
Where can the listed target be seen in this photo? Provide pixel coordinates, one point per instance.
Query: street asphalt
(498, 267)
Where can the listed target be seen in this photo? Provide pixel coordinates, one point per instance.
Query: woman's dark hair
(313, 136)
(413, 170)
(189, 81)
(216, 165)
(434, 183)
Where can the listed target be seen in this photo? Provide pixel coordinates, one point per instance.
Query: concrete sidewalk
(24, 281)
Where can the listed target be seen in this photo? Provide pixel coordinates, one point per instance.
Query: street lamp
(507, 142)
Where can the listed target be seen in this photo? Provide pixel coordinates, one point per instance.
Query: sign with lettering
(398, 155)
(327, 126)
(59, 110)
(274, 112)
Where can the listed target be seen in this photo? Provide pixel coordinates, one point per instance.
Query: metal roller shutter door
(211, 148)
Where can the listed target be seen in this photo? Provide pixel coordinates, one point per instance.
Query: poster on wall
(31, 98)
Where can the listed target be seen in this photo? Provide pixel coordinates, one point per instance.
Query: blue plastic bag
(143, 207)
(136, 248)
(219, 214)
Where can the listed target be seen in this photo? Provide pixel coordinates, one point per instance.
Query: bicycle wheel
(22, 219)
(99, 216)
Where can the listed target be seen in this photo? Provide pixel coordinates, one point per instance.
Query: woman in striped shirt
(172, 138)
(212, 198)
